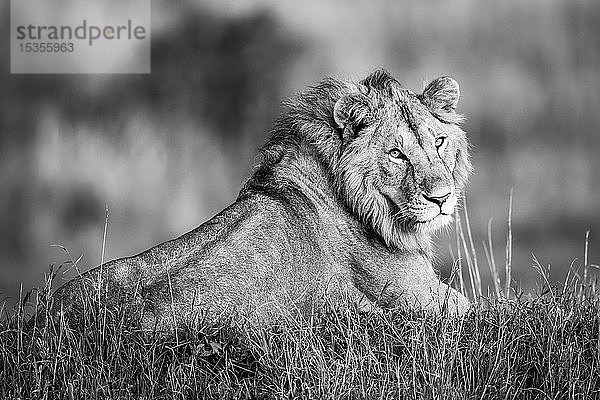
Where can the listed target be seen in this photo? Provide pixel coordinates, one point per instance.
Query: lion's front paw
(442, 299)
(454, 302)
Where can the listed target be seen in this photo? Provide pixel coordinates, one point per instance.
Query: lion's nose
(438, 196)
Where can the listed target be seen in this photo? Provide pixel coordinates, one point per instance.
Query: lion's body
(291, 240)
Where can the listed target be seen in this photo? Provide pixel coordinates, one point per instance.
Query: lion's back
(254, 252)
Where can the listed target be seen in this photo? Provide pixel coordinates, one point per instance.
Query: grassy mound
(543, 346)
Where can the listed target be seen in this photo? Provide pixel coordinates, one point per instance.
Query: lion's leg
(365, 305)
(438, 298)
(447, 299)
(422, 289)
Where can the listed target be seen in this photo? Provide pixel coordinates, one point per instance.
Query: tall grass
(545, 345)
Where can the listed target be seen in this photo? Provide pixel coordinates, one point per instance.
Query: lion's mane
(307, 120)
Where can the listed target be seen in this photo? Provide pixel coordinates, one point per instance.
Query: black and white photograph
(317, 199)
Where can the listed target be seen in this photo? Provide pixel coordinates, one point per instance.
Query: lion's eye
(396, 155)
(440, 142)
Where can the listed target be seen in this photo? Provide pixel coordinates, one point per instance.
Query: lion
(350, 187)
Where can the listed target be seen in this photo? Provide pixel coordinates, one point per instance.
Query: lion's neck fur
(304, 180)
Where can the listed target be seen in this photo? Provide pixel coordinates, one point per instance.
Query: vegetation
(544, 345)
(528, 71)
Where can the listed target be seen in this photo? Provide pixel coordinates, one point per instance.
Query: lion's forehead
(407, 116)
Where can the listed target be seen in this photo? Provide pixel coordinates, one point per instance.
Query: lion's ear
(351, 113)
(441, 95)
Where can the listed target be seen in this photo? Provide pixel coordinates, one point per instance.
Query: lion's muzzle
(443, 197)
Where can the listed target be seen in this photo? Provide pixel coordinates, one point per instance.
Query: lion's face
(414, 162)
(404, 158)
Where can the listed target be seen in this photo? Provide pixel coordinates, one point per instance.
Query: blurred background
(168, 150)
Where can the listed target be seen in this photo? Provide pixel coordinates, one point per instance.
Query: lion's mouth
(417, 220)
(410, 219)
(438, 215)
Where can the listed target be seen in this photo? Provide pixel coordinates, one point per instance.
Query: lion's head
(404, 159)
(398, 160)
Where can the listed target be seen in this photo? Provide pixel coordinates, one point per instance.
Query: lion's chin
(434, 224)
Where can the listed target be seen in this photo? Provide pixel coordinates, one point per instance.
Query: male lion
(352, 183)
